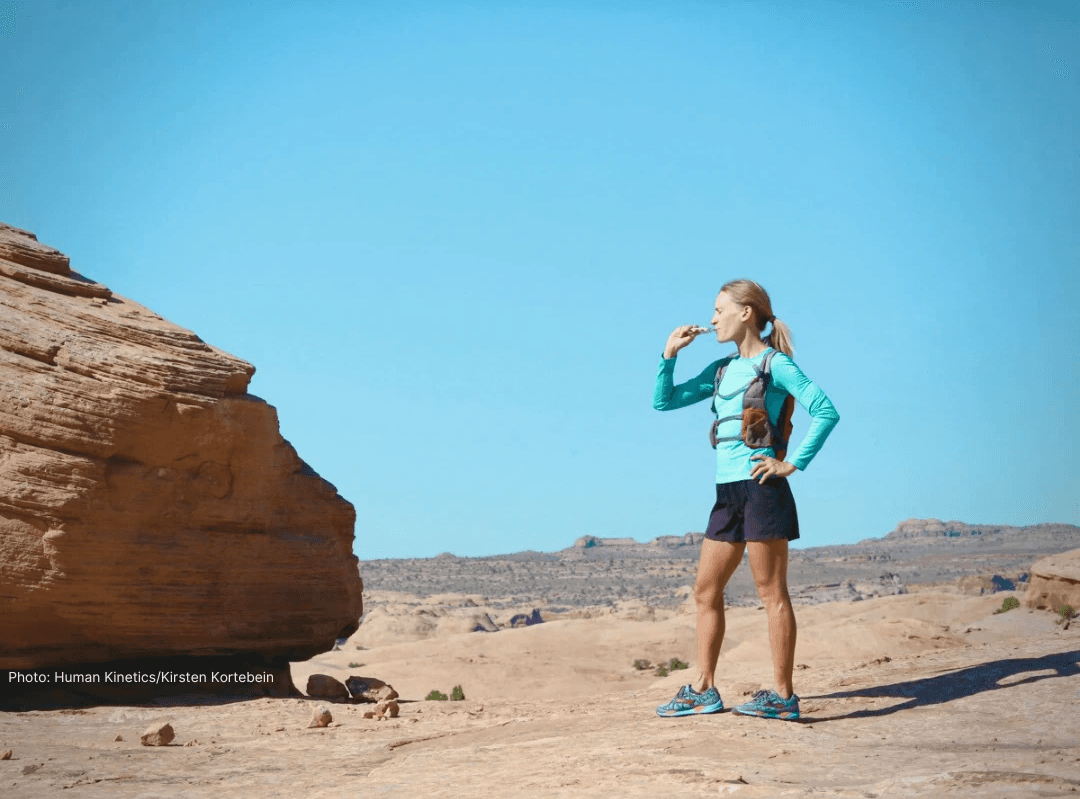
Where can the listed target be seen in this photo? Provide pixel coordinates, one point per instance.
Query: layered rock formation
(935, 528)
(1055, 582)
(148, 504)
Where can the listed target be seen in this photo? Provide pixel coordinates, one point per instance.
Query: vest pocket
(756, 428)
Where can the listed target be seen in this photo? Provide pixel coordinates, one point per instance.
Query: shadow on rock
(957, 684)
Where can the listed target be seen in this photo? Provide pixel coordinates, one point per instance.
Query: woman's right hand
(680, 337)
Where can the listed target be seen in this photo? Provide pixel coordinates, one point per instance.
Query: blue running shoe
(769, 705)
(689, 702)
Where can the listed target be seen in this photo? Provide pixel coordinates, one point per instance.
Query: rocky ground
(982, 711)
(925, 691)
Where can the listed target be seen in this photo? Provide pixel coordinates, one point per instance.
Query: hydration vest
(758, 431)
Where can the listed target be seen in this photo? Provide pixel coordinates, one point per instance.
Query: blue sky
(453, 238)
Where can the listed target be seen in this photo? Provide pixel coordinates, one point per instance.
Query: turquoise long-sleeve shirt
(733, 457)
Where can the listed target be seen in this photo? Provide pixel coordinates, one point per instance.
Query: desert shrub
(355, 665)
(457, 694)
(1009, 603)
(641, 664)
(675, 664)
(661, 670)
(436, 696)
(1066, 611)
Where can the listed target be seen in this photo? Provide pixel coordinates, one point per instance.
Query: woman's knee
(773, 595)
(708, 595)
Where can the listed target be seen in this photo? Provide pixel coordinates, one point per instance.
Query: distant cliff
(935, 528)
(905, 530)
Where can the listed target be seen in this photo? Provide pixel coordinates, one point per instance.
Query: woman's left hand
(767, 467)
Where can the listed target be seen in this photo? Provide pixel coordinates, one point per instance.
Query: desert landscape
(184, 616)
(924, 689)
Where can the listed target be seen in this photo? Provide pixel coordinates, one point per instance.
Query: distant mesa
(149, 507)
(665, 541)
(935, 528)
(908, 529)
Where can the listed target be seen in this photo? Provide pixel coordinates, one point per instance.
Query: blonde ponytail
(780, 338)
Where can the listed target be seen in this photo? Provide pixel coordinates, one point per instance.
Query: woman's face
(729, 318)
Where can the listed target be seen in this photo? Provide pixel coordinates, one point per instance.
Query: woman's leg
(768, 563)
(718, 562)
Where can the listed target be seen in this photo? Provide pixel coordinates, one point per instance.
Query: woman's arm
(667, 396)
(823, 416)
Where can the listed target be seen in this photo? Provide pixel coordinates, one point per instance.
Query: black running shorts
(750, 511)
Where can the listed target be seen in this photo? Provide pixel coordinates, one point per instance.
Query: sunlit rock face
(148, 504)
(1055, 582)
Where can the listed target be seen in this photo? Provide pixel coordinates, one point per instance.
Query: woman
(754, 511)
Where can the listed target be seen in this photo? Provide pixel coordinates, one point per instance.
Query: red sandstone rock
(387, 709)
(323, 686)
(148, 504)
(158, 735)
(1055, 582)
(370, 689)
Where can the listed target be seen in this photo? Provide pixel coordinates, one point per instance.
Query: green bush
(457, 694)
(663, 669)
(436, 696)
(1009, 603)
(355, 665)
(641, 664)
(1066, 611)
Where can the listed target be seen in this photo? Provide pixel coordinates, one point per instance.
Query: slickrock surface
(919, 695)
(148, 504)
(1055, 582)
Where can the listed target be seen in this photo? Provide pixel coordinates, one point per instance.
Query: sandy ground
(926, 694)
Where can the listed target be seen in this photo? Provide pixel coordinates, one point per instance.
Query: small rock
(158, 735)
(526, 620)
(321, 717)
(5, 755)
(31, 769)
(369, 689)
(118, 738)
(370, 714)
(192, 742)
(386, 709)
(482, 623)
(323, 686)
